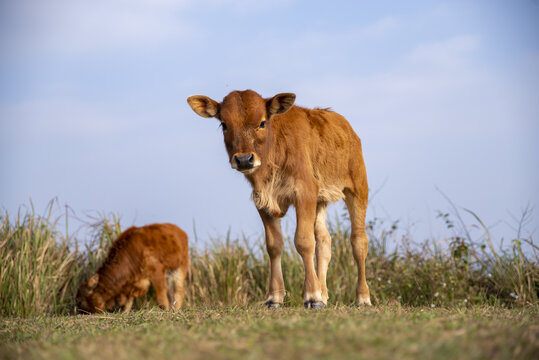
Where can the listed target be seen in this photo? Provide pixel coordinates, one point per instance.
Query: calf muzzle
(244, 162)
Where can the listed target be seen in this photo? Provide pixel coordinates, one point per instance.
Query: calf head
(88, 299)
(245, 119)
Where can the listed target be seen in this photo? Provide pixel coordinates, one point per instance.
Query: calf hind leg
(323, 248)
(176, 289)
(357, 208)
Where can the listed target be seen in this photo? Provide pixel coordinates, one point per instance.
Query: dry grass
(41, 270)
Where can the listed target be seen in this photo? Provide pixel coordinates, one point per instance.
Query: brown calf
(302, 157)
(155, 254)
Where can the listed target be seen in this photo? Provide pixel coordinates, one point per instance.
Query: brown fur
(153, 254)
(302, 157)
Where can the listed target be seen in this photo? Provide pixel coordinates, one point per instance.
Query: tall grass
(41, 268)
(35, 268)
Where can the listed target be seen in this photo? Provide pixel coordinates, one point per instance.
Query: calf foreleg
(128, 304)
(159, 283)
(274, 245)
(305, 245)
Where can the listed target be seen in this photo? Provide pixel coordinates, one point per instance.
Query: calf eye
(262, 125)
(223, 126)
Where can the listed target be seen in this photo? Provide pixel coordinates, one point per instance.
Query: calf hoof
(363, 302)
(313, 304)
(272, 305)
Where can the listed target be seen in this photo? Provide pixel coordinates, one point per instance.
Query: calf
(302, 157)
(155, 254)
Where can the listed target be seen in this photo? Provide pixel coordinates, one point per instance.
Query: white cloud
(314, 51)
(241, 6)
(382, 27)
(59, 119)
(63, 26)
(89, 26)
(434, 89)
(451, 52)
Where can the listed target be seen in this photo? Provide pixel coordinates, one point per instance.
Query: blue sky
(93, 110)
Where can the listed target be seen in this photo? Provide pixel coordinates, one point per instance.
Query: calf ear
(280, 103)
(92, 282)
(203, 105)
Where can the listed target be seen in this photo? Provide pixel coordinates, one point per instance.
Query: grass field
(381, 332)
(460, 297)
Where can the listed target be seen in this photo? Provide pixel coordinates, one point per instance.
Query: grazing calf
(302, 157)
(155, 254)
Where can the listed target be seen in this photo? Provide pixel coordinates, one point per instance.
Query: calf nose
(245, 162)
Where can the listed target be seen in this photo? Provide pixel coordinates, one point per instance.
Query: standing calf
(302, 157)
(155, 254)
